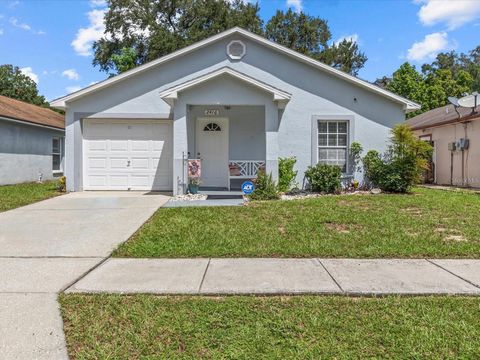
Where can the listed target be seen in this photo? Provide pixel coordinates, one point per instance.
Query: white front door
(212, 149)
(132, 154)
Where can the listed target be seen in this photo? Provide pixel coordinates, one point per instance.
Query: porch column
(271, 141)
(180, 151)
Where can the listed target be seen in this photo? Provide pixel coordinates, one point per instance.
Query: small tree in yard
(286, 174)
(324, 178)
(265, 187)
(402, 165)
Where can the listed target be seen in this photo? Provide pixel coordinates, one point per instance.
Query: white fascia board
(61, 103)
(172, 93)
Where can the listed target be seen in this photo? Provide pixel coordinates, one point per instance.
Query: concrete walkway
(283, 276)
(44, 248)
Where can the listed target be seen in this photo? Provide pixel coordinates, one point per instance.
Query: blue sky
(51, 40)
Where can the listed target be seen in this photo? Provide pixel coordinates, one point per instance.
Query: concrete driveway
(44, 247)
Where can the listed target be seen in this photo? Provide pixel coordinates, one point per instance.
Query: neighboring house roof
(442, 116)
(408, 105)
(21, 111)
(172, 93)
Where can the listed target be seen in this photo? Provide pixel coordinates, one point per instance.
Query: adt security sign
(248, 187)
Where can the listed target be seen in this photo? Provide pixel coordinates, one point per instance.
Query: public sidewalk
(205, 276)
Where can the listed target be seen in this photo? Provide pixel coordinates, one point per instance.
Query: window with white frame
(333, 143)
(56, 154)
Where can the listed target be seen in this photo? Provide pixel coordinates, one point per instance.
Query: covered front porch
(229, 123)
(227, 142)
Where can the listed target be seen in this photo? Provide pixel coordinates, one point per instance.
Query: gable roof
(408, 105)
(21, 111)
(172, 93)
(442, 116)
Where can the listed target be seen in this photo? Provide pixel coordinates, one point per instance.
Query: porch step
(224, 197)
(220, 192)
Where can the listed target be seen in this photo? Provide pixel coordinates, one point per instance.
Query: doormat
(224, 197)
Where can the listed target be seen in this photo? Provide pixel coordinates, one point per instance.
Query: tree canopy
(431, 89)
(16, 85)
(311, 36)
(450, 74)
(138, 31)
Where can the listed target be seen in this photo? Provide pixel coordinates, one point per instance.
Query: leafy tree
(408, 82)
(125, 60)
(154, 28)
(16, 85)
(311, 35)
(430, 89)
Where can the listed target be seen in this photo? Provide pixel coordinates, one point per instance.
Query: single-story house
(31, 142)
(237, 101)
(455, 136)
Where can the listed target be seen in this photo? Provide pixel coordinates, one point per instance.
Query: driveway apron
(45, 247)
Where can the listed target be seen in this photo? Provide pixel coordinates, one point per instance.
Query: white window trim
(350, 119)
(59, 138)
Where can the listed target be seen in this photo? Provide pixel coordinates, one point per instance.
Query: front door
(212, 149)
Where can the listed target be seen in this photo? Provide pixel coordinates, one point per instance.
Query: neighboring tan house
(455, 161)
(31, 142)
(236, 101)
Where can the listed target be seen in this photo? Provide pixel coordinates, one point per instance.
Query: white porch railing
(244, 169)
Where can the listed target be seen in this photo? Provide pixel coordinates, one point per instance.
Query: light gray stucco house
(31, 142)
(236, 101)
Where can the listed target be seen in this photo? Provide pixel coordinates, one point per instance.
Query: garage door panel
(119, 180)
(118, 162)
(97, 145)
(146, 161)
(140, 181)
(140, 163)
(97, 180)
(139, 145)
(97, 162)
(119, 145)
(159, 146)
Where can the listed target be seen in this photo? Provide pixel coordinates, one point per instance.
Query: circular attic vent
(236, 49)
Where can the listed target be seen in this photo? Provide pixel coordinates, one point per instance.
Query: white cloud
(71, 89)
(429, 47)
(352, 37)
(98, 3)
(1, 31)
(82, 44)
(29, 72)
(17, 24)
(71, 74)
(454, 13)
(295, 4)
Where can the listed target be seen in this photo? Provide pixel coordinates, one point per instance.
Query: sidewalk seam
(73, 282)
(450, 272)
(331, 276)
(204, 275)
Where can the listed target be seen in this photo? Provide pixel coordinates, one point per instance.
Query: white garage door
(127, 155)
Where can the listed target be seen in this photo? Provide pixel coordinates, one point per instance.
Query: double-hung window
(56, 154)
(333, 143)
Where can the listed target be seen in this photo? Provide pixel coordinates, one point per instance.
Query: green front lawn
(303, 327)
(428, 223)
(13, 196)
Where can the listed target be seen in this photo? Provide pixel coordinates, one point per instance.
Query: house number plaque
(212, 112)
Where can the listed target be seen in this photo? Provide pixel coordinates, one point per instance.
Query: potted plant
(193, 185)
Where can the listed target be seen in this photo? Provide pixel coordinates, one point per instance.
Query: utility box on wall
(462, 144)
(452, 146)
